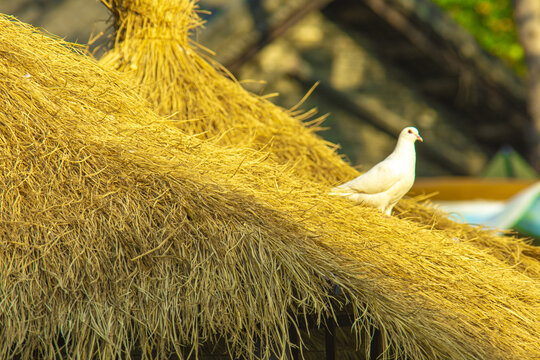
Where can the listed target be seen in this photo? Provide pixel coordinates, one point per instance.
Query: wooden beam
(402, 24)
(446, 87)
(274, 32)
(400, 51)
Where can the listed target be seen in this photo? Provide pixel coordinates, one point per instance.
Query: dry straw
(120, 233)
(152, 45)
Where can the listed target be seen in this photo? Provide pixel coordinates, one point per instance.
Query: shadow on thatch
(121, 233)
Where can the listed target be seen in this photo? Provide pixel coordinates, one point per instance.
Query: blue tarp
(521, 212)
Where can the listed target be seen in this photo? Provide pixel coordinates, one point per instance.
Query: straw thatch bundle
(505, 247)
(119, 231)
(153, 46)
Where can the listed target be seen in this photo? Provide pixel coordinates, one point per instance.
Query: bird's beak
(419, 138)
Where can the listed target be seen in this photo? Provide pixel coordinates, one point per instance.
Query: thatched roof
(120, 231)
(153, 47)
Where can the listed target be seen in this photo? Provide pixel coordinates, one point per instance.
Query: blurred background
(453, 68)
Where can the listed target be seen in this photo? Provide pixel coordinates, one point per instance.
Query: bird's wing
(378, 179)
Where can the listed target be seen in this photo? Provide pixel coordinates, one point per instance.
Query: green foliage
(492, 23)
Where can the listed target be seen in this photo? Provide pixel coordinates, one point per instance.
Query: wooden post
(293, 337)
(376, 346)
(330, 340)
(527, 17)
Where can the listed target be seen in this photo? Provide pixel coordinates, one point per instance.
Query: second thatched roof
(153, 47)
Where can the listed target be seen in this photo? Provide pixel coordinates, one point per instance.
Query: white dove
(388, 181)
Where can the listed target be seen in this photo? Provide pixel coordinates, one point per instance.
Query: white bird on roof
(388, 181)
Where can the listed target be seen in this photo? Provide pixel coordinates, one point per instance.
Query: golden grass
(120, 231)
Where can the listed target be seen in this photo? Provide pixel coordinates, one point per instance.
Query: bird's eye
(410, 131)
